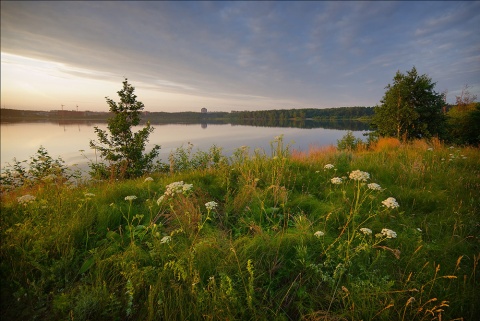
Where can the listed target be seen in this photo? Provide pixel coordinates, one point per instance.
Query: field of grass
(389, 233)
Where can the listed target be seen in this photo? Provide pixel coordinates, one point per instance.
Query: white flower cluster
(390, 203)
(166, 239)
(328, 166)
(374, 186)
(388, 233)
(358, 175)
(25, 199)
(319, 234)
(130, 198)
(175, 188)
(366, 231)
(89, 195)
(336, 180)
(211, 205)
(148, 179)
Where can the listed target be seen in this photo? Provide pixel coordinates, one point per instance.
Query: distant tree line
(281, 115)
(306, 113)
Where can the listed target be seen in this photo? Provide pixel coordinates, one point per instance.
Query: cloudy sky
(182, 56)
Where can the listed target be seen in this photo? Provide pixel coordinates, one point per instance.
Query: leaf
(86, 265)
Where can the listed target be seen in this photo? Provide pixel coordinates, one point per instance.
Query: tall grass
(288, 238)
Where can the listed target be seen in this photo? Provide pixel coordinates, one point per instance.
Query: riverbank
(389, 233)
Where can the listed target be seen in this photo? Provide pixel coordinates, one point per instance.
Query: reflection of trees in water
(340, 124)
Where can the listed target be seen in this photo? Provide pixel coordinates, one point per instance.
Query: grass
(282, 243)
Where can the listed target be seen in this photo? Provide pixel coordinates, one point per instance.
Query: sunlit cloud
(181, 55)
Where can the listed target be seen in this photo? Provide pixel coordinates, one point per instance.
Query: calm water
(22, 140)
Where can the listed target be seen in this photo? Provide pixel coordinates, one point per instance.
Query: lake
(21, 140)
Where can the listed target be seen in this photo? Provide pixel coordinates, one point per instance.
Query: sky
(224, 56)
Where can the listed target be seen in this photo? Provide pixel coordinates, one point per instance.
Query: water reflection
(66, 138)
(340, 124)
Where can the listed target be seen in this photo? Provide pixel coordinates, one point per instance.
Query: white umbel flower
(390, 203)
(358, 175)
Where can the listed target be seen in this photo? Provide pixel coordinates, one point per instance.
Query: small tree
(123, 149)
(348, 142)
(410, 108)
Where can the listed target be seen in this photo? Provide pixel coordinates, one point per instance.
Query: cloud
(314, 53)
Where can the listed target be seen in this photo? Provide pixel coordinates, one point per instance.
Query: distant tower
(204, 110)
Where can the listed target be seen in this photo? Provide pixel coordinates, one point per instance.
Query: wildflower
(328, 166)
(389, 233)
(390, 203)
(89, 195)
(148, 179)
(130, 198)
(430, 149)
(319, 234)
(374, 186)
(160, 199)
(366, 231)
(211, 205)
(166, 239)
(25, 199)
(358, 175)
(187, 187)
(419, 229)
(177, 188)
(336, 180)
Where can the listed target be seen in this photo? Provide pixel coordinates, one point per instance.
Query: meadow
(389, 232)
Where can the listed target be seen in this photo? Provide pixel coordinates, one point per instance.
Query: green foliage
(464, 119)
(410, 108)
(183, 159)
(122, 148)
(42, 167)
(464, 126)
(348, 142)
(257, 237)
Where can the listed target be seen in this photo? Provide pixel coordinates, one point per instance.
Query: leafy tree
(464, 119)
(410, 108)
(124, 149)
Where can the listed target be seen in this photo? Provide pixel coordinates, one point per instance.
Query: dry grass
(386, 144)
(315, 153)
